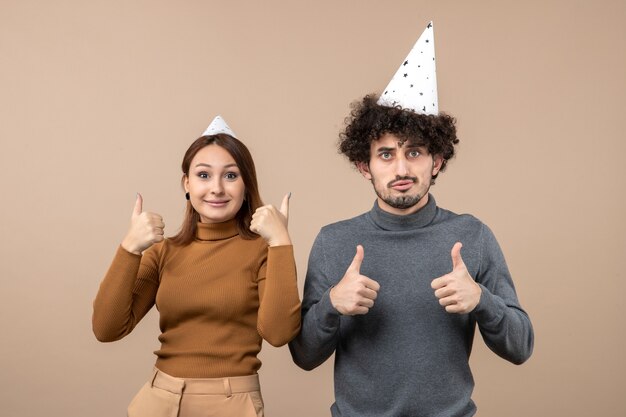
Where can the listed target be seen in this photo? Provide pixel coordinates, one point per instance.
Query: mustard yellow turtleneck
(217, 298)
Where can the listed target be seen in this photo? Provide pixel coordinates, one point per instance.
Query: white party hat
(218, 125)
(414, 86)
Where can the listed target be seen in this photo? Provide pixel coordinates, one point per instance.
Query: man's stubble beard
(401, 202)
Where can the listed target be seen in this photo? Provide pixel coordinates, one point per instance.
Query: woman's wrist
(130, 247)
(282, 240)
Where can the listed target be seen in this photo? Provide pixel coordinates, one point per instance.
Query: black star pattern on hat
(421, 94)
(429, 25)
(405, 62)
(411, 85)
(427, 41)
(424, 108)
(405, 75)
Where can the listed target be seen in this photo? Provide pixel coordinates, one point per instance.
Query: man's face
(401, 174)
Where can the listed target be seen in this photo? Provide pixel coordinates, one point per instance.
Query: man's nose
(402, 168)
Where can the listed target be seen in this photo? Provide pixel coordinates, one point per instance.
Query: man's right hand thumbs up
(145, 230)
(355, 293)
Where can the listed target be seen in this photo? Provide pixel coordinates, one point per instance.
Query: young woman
(219, 288)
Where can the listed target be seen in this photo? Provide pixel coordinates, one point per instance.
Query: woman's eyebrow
(202, 164)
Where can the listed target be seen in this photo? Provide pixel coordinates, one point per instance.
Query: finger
(366, 302)
(447, 301)
(261, 212)
(457, 261)
(444, 292)
(357, 260)
(284, 206)
(370, 283)
(360, 310)
(439, 282)
(153, 220)
(138, 208)
(369, 293)
(455, 308)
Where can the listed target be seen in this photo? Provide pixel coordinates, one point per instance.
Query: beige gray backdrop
(99, 100)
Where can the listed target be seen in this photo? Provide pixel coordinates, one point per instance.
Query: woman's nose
(217, 187)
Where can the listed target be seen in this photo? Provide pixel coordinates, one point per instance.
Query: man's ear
(364, 169)
(437, 163)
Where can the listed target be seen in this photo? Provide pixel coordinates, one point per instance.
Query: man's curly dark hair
(369, 121)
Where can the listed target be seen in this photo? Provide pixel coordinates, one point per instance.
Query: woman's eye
(203, 175)
(231, 176)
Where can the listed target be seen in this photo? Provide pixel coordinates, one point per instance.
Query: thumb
(457, 261)
(284, 206)
(358, 259)
(138, 205)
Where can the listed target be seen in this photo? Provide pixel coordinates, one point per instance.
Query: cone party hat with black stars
(414, 86)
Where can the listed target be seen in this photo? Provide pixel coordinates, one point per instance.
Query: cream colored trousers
(166, 396)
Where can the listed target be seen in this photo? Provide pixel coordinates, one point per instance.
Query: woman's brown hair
(252, 199)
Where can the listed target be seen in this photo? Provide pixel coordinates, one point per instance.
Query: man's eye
(385, 155)
(414, 154)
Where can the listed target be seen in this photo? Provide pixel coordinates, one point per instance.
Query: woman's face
(215, 185)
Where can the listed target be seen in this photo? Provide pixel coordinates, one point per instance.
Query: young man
(390, 292)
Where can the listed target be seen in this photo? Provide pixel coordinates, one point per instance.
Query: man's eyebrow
(385, 149)
(202, 164)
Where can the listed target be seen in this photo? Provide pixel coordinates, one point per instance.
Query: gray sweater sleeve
(504, 325)
(319, 333)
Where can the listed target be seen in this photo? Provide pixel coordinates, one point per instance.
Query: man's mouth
(402, 185)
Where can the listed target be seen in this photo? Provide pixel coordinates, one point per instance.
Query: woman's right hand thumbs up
(145, 230)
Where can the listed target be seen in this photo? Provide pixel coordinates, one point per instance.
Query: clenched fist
(145, 230)
(355, 293)
(457, 291)
(271, 223)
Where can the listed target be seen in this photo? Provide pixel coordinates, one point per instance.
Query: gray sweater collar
(387, 221)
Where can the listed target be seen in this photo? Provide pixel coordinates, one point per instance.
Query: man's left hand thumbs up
(457, 291)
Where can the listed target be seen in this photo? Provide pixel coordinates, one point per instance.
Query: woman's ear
(186, 183)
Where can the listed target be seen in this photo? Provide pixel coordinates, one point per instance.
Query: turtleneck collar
(395, 222)
(217, 231)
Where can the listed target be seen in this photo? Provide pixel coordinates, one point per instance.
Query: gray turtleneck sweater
(407, 356)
